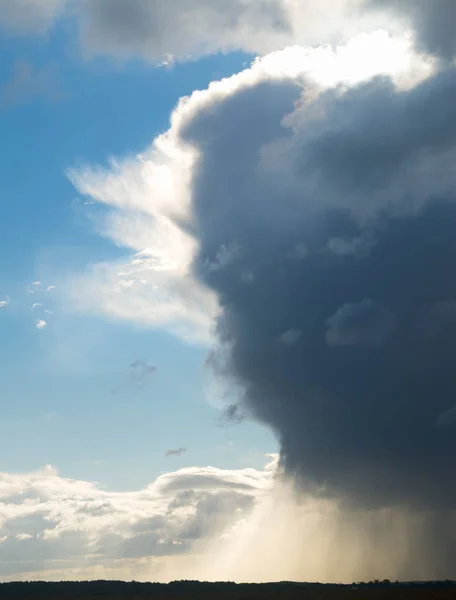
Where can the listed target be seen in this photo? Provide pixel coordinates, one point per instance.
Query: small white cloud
(50, 288)
(5, 302)
(40, 324)
(32, 288)
(36, 305)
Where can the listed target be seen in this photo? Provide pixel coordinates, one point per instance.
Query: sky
(226, 296)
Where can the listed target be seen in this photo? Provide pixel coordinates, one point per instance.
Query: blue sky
(66, 393)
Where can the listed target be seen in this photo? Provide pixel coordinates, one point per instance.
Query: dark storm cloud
(434, 22)
(357, 391)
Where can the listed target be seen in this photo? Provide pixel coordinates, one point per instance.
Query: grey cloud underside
(182, 28)
(356, 399)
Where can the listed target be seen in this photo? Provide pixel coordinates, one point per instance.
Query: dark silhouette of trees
(195, 590)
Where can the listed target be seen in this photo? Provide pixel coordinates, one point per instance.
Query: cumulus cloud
(40, 324)
(345, 163)
(54, 524)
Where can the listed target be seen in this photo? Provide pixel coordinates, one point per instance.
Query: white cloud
(51, 288)
(37, 305)
(53, 523)
(4, 303)
(40, 324)
(149, 198)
